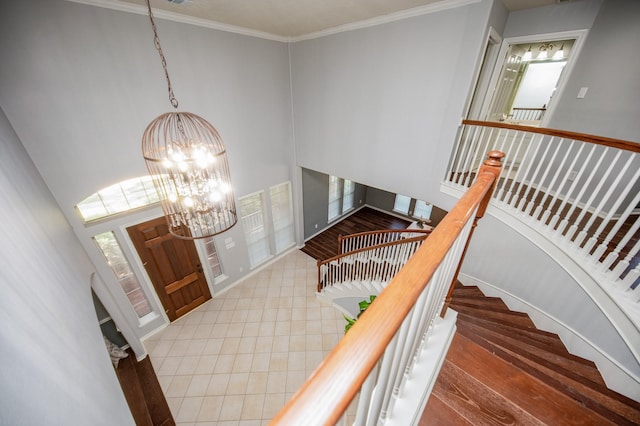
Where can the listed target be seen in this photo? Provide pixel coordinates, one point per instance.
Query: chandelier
(187, 161)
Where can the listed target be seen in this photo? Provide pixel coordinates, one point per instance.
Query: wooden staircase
(501, 370)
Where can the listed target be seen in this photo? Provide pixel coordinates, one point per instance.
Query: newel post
(492, 165)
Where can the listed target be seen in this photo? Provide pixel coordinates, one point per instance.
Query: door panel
(173, 266)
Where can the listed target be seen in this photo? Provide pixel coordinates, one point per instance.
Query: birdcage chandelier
(187, 161)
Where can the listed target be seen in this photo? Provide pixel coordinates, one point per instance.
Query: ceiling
(291, 19)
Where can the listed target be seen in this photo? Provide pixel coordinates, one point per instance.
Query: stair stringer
(616, 376)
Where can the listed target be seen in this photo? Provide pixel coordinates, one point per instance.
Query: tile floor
(239, 357)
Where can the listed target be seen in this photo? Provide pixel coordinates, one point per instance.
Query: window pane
(402, 204)
(422, 210)
(114, 199)
(347, 195)
(251, 209)
(135, 193)
(120, 266)
(212, 257)
(92, 208)
(334, 197)
(118, 198)
(282, 214)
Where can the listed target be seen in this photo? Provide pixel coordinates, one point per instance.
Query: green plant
(363, 307)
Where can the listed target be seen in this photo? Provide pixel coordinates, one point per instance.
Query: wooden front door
(173, 266)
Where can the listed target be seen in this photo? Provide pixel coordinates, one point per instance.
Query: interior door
(505, 89)
(173, 266)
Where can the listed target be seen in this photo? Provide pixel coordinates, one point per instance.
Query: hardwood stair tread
(535, 336)
(440, 414)
(609, 404)
(505, 317)
(569, 366)
(516, 386)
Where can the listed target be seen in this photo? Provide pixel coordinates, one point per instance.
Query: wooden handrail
(598, 140)
(326, 395)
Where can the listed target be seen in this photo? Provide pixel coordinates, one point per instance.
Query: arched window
(123, 196)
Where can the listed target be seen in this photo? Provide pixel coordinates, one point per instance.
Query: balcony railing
(353, 242)
(527, 114)
(388, 351)
(581, 192)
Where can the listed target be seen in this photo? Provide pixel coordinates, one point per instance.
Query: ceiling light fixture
(187, 160)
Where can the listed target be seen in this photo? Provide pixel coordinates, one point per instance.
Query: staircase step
(481, 302)
(488, 390)
(533, 336)
(468, 290)
(566, 364)
(608, 404)
(441, 414)
(518, 319)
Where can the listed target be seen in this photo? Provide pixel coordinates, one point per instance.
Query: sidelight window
(252, 213)
(120, 266)
(282, 216)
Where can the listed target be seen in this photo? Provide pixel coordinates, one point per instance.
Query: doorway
(529, 77)
(173, 265)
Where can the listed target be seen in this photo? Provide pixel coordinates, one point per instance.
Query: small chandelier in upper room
(544, 51)
(559, 54)
(187, 160)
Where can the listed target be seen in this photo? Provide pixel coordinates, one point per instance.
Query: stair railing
(376, 358)
(360, 240)
(582, 192)
(374, 264)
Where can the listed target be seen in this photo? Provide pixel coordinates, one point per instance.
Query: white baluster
(603, 202)
(618, 224)
(534, 180)
(607, 171)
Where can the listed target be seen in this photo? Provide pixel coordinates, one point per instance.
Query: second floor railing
(352, 242)
(376, 358)
(582, 192)
(377, 263)
(527, 114)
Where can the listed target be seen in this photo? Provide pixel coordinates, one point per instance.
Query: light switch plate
(582, 92)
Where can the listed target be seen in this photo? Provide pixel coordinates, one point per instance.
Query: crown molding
(177, 17)
(396, 16)
(391, 17)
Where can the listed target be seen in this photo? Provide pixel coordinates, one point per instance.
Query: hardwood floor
(501, 370)
(325, 245)
(143, 392)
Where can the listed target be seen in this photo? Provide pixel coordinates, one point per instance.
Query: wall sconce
(527, 55)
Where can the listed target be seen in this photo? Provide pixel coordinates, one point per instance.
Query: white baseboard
(615, 376)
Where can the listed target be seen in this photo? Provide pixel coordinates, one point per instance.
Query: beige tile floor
(239, 357)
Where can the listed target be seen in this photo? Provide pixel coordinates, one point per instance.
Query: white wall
(80, 83)
(609, 67)
(55, 367)
(381, 105)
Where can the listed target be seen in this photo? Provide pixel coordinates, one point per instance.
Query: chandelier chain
(156, 40)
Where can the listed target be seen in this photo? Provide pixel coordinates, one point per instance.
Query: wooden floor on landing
(325, 245)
